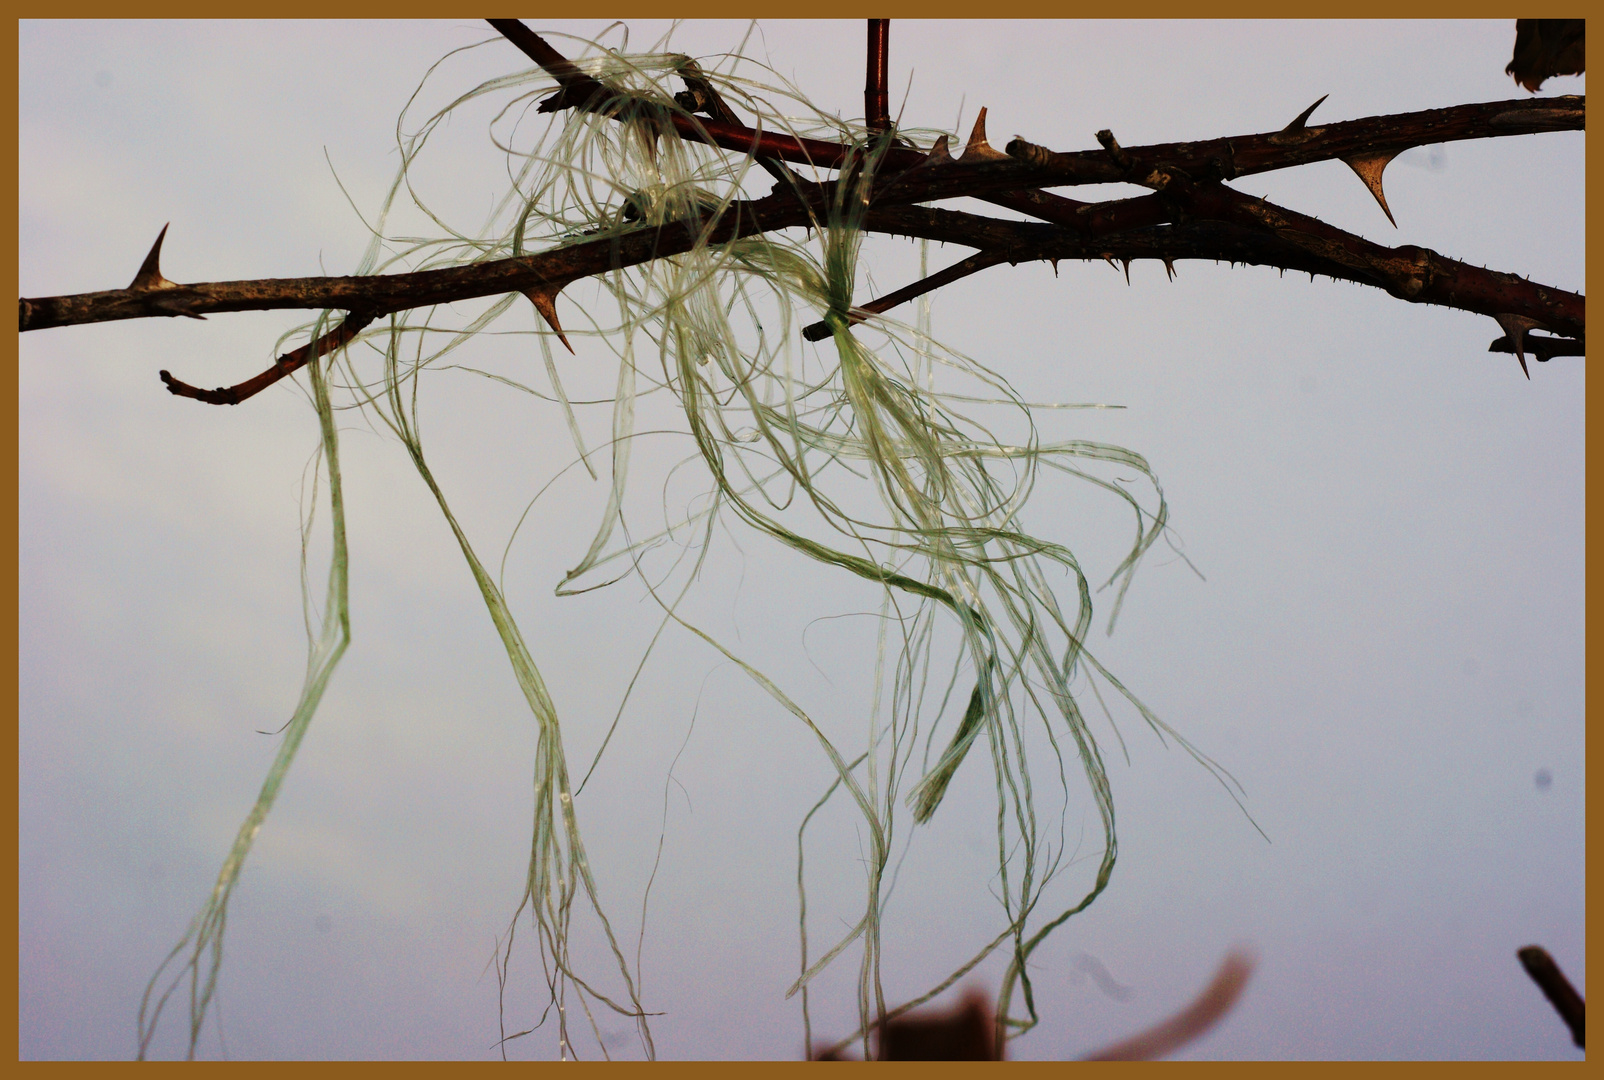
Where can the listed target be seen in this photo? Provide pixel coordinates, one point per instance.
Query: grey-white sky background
(1387, 651)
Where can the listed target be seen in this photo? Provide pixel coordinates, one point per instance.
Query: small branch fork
(1188, 213)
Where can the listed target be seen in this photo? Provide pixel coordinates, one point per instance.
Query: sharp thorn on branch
(1169, 268)
(150, 273)
(1273, 229)
(939, 153)
(1515, 327)
(978, 149)
(1369, 169)
(1302, 118)
(1127, 263)
(545, 301)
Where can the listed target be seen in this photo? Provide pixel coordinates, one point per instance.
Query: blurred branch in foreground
(1556, 987)
(968, 1031)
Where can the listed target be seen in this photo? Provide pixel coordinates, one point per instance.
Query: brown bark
(1244, 155)
(1190, 214)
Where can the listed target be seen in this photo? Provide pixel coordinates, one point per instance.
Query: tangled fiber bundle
(878, 453)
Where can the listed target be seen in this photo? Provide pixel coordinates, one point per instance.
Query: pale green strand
(553, 876)
(203, 941)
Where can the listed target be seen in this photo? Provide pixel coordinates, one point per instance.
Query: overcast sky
(1387, 649)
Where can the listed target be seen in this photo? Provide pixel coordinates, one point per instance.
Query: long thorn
(978, 149)
(545, 301)
(1302, 118)
(1515, 327)
(150, 272)
(1369, 169)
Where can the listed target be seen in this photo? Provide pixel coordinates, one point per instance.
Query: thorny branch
(1189, 213)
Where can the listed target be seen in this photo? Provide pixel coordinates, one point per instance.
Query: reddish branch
(1189, 214)
(876, 103)
(287, 364)
(1222, 159)
(1196, 1019)
(699, 95)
